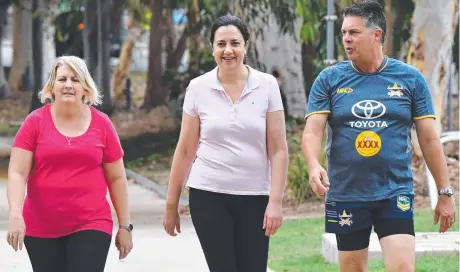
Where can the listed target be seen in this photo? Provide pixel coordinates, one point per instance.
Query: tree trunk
(387, 46)
(48, 30)
(194, 46)
(4, 89)
(90, 36)
(155, 95)
(308, 67)
(37, 44)
(22, 35)
(122, 70)
(116, 15)
(434, 26)
(103, 68)
(283, 53)
(170, 38)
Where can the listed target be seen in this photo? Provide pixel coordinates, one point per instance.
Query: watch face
(131, 227)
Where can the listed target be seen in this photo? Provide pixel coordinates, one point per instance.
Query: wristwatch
(448, 191)
(129, 227)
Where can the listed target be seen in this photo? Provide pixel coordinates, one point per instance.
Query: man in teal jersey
(369, 104)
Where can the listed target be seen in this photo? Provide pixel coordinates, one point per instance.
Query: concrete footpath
(153, 250)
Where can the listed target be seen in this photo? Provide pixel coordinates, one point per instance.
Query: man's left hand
(444, 212)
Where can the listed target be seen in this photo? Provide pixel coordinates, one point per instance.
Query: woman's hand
(16, 231)
(171, 221)
(273, 217)
(124, 243)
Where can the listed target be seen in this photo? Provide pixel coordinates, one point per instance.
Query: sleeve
(27, 135)
(422, 104)
(112, 150)
(189, 101)
(275, 103)
(319, 100)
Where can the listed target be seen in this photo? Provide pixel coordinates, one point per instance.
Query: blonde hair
(78, 66)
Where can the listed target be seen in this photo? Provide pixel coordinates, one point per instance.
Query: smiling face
(229, 47)
(67, 86)
(358, 40)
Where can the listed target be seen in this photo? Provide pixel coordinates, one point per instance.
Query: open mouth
(228, 59)
(68, 94)
(349, 49)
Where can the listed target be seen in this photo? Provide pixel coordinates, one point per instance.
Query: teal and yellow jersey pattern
(370, 117)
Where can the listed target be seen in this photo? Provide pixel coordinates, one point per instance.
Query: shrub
(298, 188)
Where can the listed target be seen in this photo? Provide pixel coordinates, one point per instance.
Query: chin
(351, 57)
(232, 65)
(68, 100)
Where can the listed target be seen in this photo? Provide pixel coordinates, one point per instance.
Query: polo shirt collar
(253, 79)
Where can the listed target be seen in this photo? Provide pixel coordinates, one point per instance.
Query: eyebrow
(67, 76)
(351, 29)
(233, 40)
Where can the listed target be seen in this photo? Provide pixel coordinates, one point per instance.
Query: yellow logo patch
(368, 143)
(344, 90)
(403, 203)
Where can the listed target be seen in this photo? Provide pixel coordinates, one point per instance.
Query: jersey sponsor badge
(368, 143)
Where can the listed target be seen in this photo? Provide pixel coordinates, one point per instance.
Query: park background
(143, 54)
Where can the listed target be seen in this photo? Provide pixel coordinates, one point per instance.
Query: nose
(227, 50)
(68, 84)
(346, 38)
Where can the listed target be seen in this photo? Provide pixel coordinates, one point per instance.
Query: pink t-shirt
(66, 188)
(232, 152)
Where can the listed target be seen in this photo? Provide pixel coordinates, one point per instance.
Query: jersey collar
(381, 68)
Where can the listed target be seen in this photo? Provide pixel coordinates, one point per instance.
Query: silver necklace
(68, 140)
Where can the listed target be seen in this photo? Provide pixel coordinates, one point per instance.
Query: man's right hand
(16, 232)
(171, 221)
(319, 181)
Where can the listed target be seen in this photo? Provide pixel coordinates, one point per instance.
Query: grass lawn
(7, 130)
(297, 247)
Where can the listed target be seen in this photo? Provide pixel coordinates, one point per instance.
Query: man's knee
(355, 261)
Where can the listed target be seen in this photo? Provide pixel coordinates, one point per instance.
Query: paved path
(154, 250)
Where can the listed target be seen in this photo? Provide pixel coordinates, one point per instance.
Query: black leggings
(229, 228)
(81, 251)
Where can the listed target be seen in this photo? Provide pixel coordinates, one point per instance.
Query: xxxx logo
(368, 143)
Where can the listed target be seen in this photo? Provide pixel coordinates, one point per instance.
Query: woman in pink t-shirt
(233, 142)
(67, 153)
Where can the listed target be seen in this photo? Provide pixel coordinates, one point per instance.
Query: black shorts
(352, 222)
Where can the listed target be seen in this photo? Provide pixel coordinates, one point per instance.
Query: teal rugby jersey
(368, 132)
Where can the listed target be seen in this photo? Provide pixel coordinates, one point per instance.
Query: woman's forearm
(181, 164)
(279, 168)
(15, 193)
(118, 190)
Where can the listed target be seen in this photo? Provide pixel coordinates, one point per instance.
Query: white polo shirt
(232, 150)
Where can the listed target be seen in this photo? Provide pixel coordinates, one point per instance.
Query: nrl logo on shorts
(345, 219)
(395, 90)
(403, 203)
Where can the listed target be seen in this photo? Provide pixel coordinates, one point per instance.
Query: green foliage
(312, 12)
(142, 161)
(298, 187)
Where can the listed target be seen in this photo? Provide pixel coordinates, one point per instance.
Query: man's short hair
(371, 11)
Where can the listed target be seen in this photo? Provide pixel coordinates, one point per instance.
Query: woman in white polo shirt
(233, 142)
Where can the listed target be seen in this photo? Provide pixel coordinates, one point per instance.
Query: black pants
(81, 251)
(230, 231)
